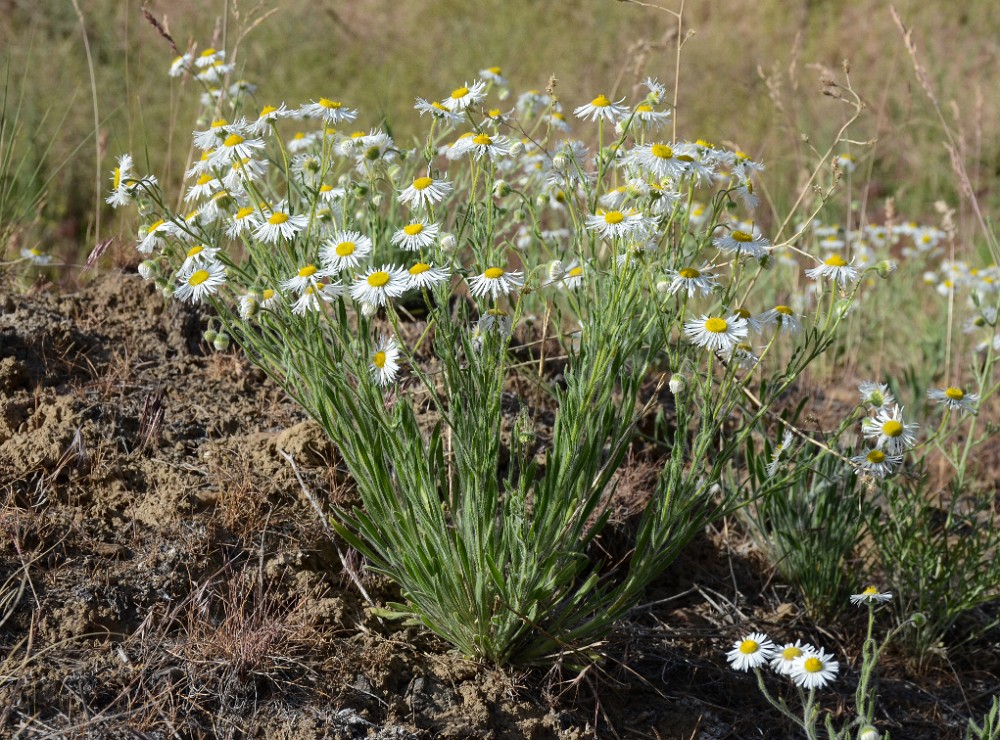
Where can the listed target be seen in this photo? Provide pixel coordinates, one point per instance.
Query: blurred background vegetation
(750, 75)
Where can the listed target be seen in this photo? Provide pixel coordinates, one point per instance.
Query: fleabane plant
(385, 287)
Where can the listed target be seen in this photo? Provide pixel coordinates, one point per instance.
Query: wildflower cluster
(354, 268)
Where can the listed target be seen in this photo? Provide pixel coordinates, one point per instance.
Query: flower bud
(221, 341)
(662, 286)
(542, 200)
(678, 383)
(555, 270)
(166, 288)
(501, 189)
(449, 242)
(885, 268)
(517, 149)
(560, 162)
(918, 619)
(368, 310)
(377, 199)
(842, 307)
(147, 269)
(766, 261)
(394, 171)
(503, 93)
(868, 733)
(249, 305)
(210, 335)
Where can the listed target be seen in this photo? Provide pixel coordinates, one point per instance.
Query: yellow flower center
(955, 394)
(345, 249)
(244, 212)
(575, 272)
(494, 113)
(870, 591)
(298, 135)
(324, 188)
(689, 273)
(706, 144)
(482, 140)
(459, 92)
(784, 310)
(494, 70)
(644, 108)
(218, 123)
(413, 229)
(331, 104)
(614, 217)
(661, 151)
(493, 273)
(196, 249)
(437, 106)
(601, 101)
(813, 665)
(234, 140)
(875, 457)
(277, 218)
(835, 260)
(379, 360)
(716, 325)
(749, 647)
(208, 53)
(742, 236)
(378, 279)
(307, 271)
(205, 179)
(267, 110)
(198, 277)
(117, 179)
(422, 183)
(419, 268)
(743, 313)
(153, 227)
(791, 653)
(892, 428)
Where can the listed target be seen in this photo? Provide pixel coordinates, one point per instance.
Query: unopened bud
(885, 268)
(678, 383)
(662, 286)
(221, 342)
(368, 310)
(555, 270)
(503, 93)
(249, 305)
(377, 199)
(147, 269)
(918, 620)
(868, 733)
(560, 162)
(517, 149)
(210, 335)
(449, 242)
(842, 307)
(501, 189)
(542, 200)
(766, 261)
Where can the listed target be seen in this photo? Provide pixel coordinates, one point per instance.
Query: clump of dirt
(164, 573)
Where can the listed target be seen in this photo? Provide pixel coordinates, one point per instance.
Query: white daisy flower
(954, 398)
(385, 362)
(741, 242)
(308, 275)
(494, 75)
(181, 64)
(571, 275)
(425, 275)
(870, 595)
(244, 170)
(125, 184)
(649, 119)
(657, 160)
(302, 141)
(753, 322)
(313, 298)
(617, 224)
(835, 269)
(492, 147)
(331, 111)
(752, 652)
(889, 431)
(214, 135)
(785, 656)
(36, 256)
(814, 670)
(269, 116)
(462, 98)
(495, 320)
(208, 57)
(280, 225)
(329, 194)
(244, 221)
(424, 192)
(204, 186)
(202, 281)
(156, 234)
(198, 256)
(235, 147)
(308, 166)
(376, 287)
(438, 111)
(269, 299)
(602, 108)
(495, 282)
(345, 250)
(877, 464)
(781, 453)
(692, 279)
(716, 333)
(783, 316)
(416, 236)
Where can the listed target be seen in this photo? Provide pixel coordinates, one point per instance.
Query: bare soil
(163, 574)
